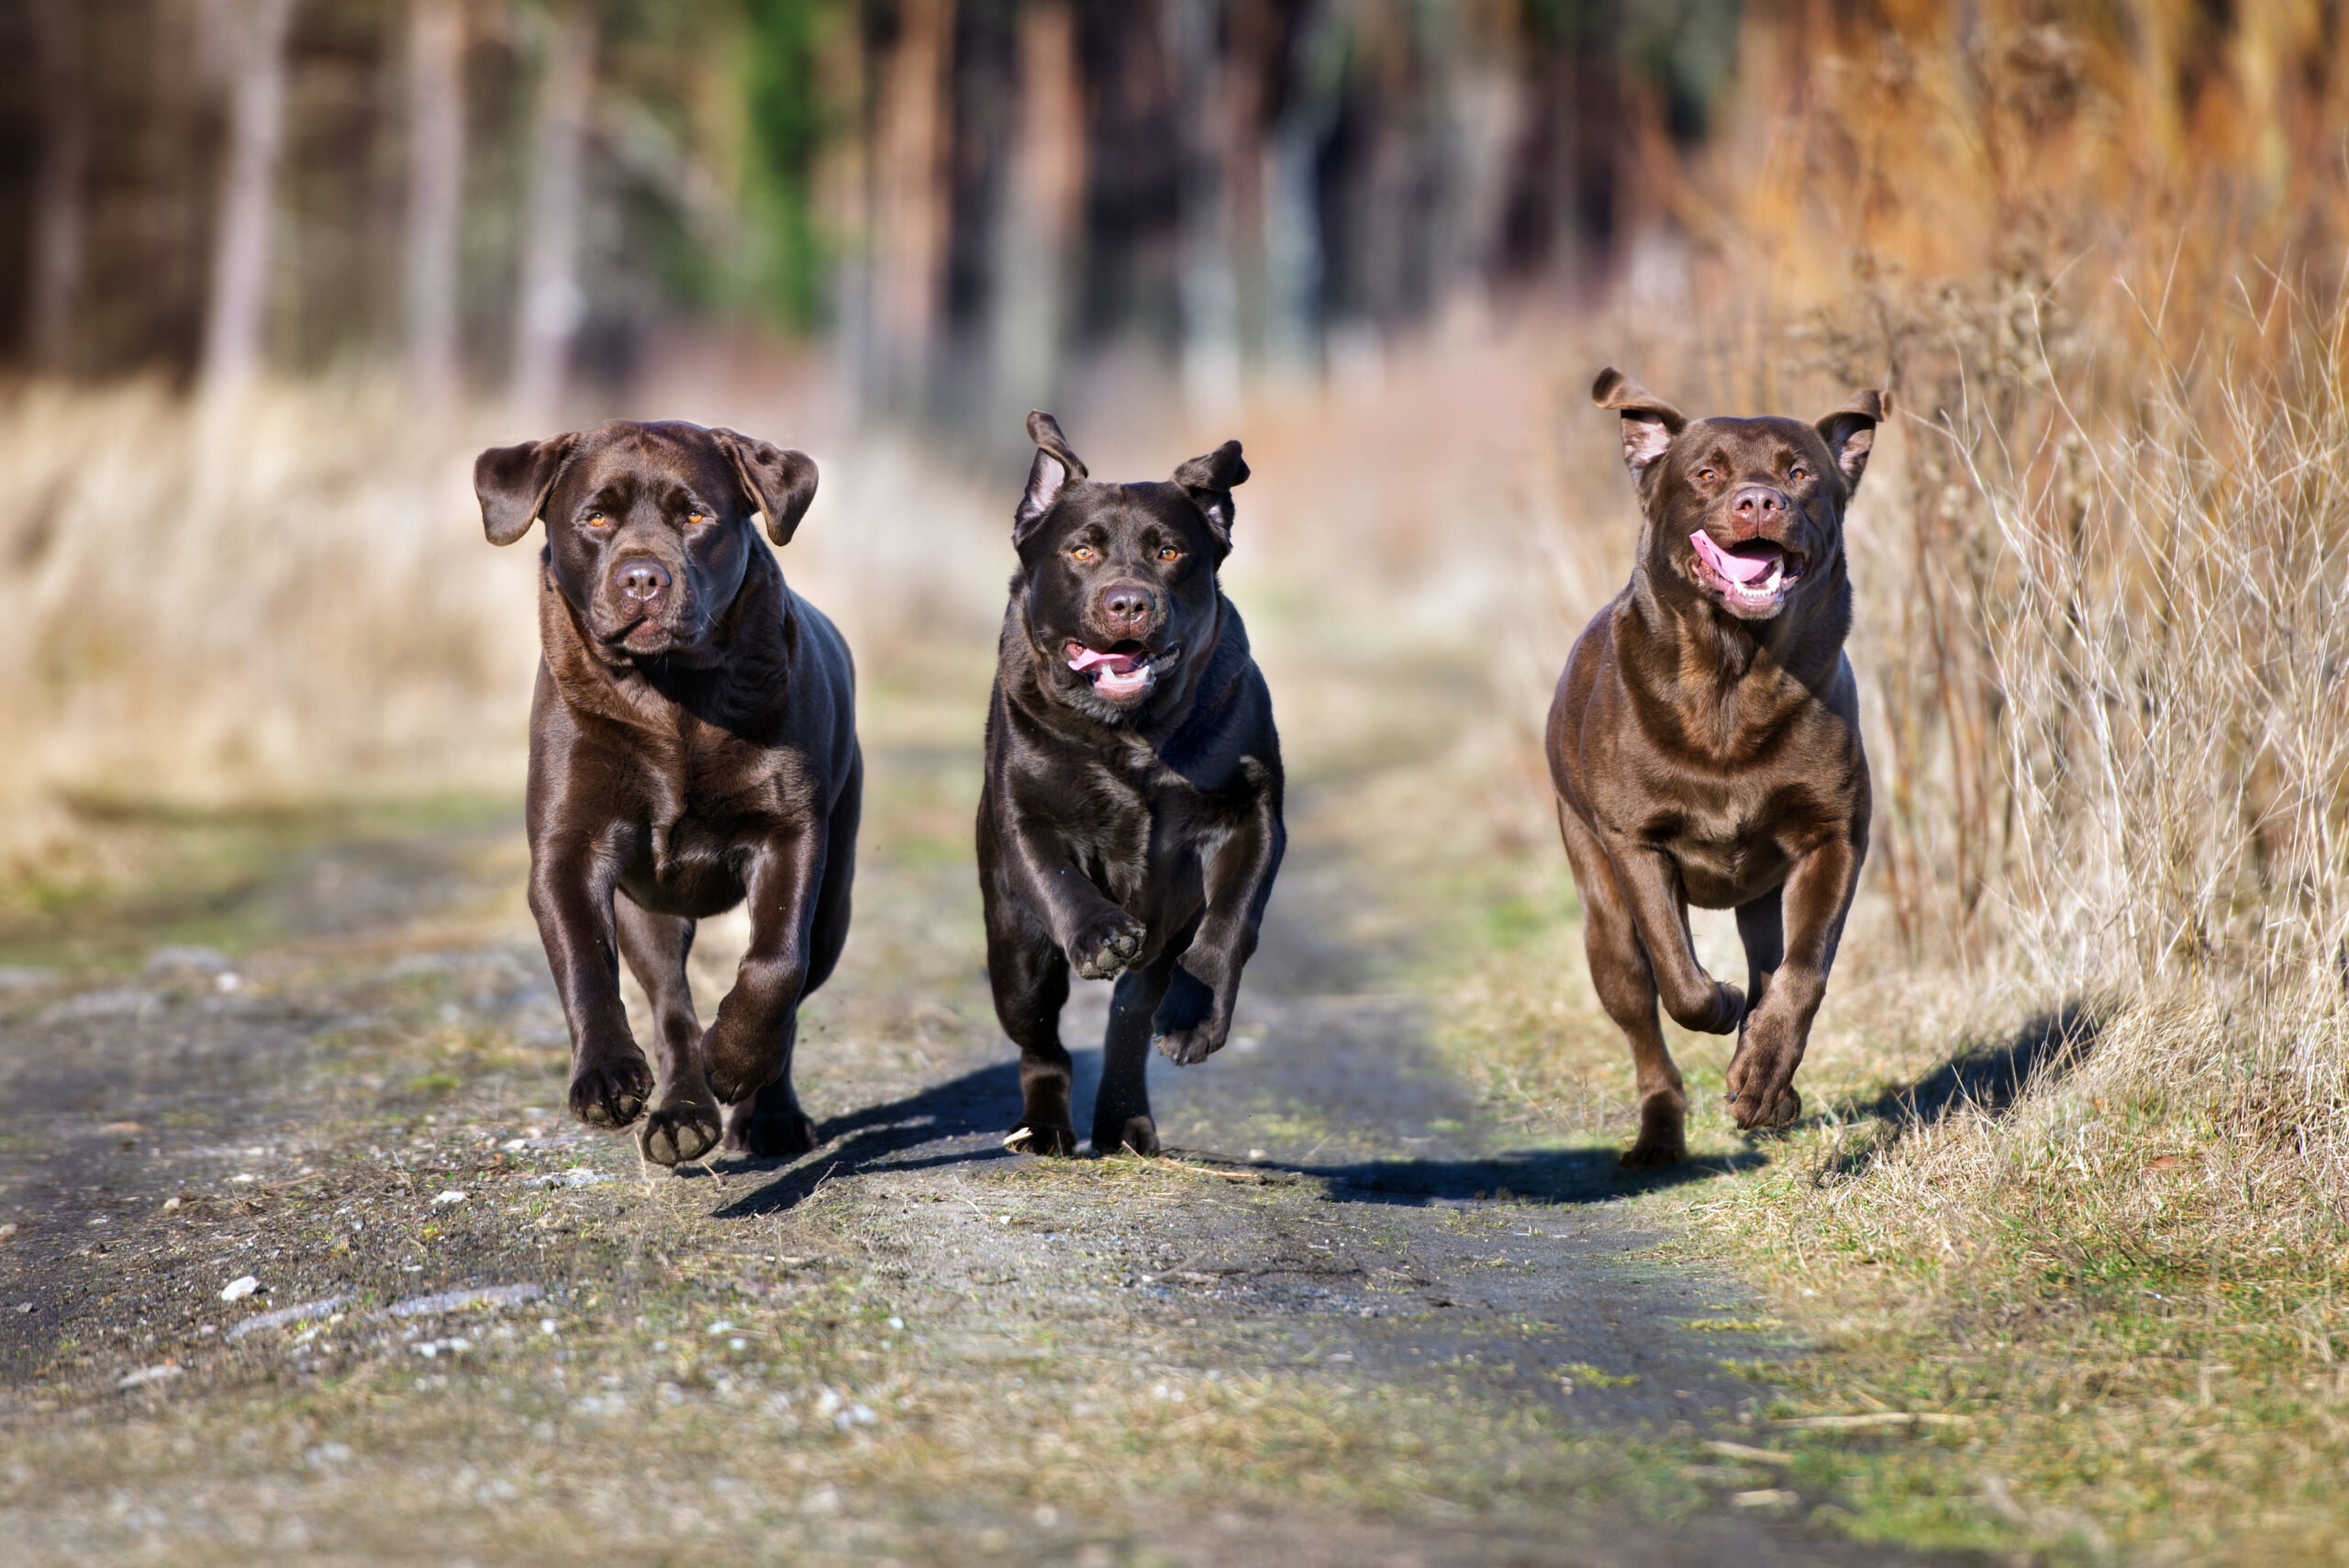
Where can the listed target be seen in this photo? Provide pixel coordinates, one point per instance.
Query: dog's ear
(511, 483)
(779, 482)
(1650, 424)
(1849, 434)
(1056, 466)
(1210, 480)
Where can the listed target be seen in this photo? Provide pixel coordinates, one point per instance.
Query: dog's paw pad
(678, 1135)
(611, 1095)
(1188, 1048)
(1107, 947)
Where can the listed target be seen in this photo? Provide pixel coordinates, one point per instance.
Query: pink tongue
(1736, 567)
(1120, 663)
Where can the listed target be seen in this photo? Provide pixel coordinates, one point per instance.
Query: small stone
(238, 1288)
(169, 1204)
(452, 1196)
(7, 1230)
(25, 1307)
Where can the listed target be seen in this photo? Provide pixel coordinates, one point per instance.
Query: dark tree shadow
(1989, 1078)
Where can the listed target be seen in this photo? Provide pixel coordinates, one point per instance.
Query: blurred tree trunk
(549, 306)
(60, 209)
(1040, 221)
(1208, 285)
(1559, 217)
(910, 201)
(436, 101)
(233, 320)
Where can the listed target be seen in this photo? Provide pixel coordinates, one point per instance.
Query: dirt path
(1349, 1322)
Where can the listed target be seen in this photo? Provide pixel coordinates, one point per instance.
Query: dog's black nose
(1126, 607)
(1757, 507)
(641, 579)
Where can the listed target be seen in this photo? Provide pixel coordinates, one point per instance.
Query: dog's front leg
(1651, 885)
(1195, 1015)
(748, 1047)
(1098, 938)
(571, 896)
(1817, 896)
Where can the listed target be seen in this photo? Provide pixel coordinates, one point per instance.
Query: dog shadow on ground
(979, 1103)
(943, 1124)
(1989, 1078)
(1526, 1175)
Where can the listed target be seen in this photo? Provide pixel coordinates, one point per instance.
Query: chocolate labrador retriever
(1705, 745)
(1130, 821)
(693, 745)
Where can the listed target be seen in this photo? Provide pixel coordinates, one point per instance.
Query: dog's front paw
(1189, 1048)
(737, 1073)
(1040, 1137)
(1762, 1077)
(1105, 945)
(610, 1091)
(680, 1133)
(1188, 1027)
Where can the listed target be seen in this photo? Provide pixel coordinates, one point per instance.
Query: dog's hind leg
(1620, 972)
(681, 1124)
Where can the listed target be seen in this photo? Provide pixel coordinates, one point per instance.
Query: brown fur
(693, 744)
(1705, 749)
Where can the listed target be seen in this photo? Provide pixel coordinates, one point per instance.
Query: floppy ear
(1650, 424)
(511, 482)
(780, 482)
(1055, 467)
(1210, 480)
(1849, 434)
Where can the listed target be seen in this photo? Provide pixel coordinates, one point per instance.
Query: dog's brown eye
(1798, 474)
(697, 517)
(1081, 552)
(1707, 475)
(598, 520)
(1169, 552)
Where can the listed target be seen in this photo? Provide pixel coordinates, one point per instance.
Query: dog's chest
(1729, 848)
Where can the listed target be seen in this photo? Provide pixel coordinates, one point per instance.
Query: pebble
(238, 1288)
(458, 1300)
(452, 1196)
(285, 1315)
(148, 1375)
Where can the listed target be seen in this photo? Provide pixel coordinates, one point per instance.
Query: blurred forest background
(977, 203)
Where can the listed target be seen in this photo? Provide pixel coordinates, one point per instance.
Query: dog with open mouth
(1129, 820)
(1704, 745)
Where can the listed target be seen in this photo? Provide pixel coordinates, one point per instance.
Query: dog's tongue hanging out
(1736, 567)
(1116, 674)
